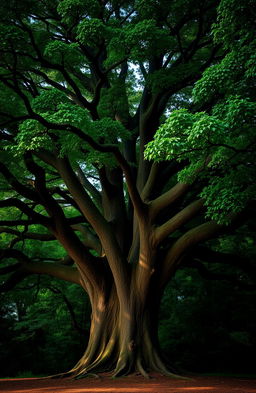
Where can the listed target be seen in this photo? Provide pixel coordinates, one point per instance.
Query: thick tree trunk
(120, 341)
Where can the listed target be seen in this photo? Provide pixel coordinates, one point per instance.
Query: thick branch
(137, 202)
(166, 199)
(66, 273)
(145, 194)
(89, 240)
(177, 221)
(88, 186)
(80, 195)
(101, 226)
(176, 253)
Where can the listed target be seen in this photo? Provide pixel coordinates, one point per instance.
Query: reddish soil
(130, 384)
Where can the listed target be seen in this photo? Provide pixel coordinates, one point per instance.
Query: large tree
(84, 87)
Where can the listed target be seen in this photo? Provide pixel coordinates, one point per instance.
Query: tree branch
(145, 194)
(88, 186)
(138, 204)
(28, 235)
(175, 254)
(166, 199)
(66, 273)
(89, 240)
(177, 221)
(36, 217)
(100, 225)
(58, 86)
(16, 185)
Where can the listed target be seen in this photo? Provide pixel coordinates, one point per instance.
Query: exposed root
(141, 369)
(58, 376)
(123, 368)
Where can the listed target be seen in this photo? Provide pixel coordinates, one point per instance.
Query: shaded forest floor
(130, 384)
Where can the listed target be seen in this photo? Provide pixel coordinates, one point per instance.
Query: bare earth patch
(130, 384)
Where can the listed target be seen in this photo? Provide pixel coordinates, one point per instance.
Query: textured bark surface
(122, 337)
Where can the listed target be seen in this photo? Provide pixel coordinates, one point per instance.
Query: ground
(130, 384)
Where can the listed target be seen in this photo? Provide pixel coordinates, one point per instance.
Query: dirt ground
(130, 384)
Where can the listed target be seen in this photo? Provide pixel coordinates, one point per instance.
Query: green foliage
(235, 24)
(114, 101)
(109, 128)
(48, 101)
(62, 52)
(32, 136)
(233, 73)
(146, 37)
(219, 143)
(138, 39)
(219, 146)
(159, 80)
(74, 10)
(91, 32)
(56, 108)
(9, 35)
(8, 100)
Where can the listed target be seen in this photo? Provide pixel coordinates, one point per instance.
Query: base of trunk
(136, 359)
(122, 341)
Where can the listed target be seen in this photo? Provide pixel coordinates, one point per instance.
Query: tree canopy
(127, 138)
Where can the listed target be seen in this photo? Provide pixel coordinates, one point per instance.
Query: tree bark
(123, 341)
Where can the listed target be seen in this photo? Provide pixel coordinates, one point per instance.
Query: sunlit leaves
(219, 149)
(184, 135)
(32, 136)
(56, 108)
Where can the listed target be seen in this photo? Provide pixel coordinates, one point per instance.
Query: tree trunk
(123, 341)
